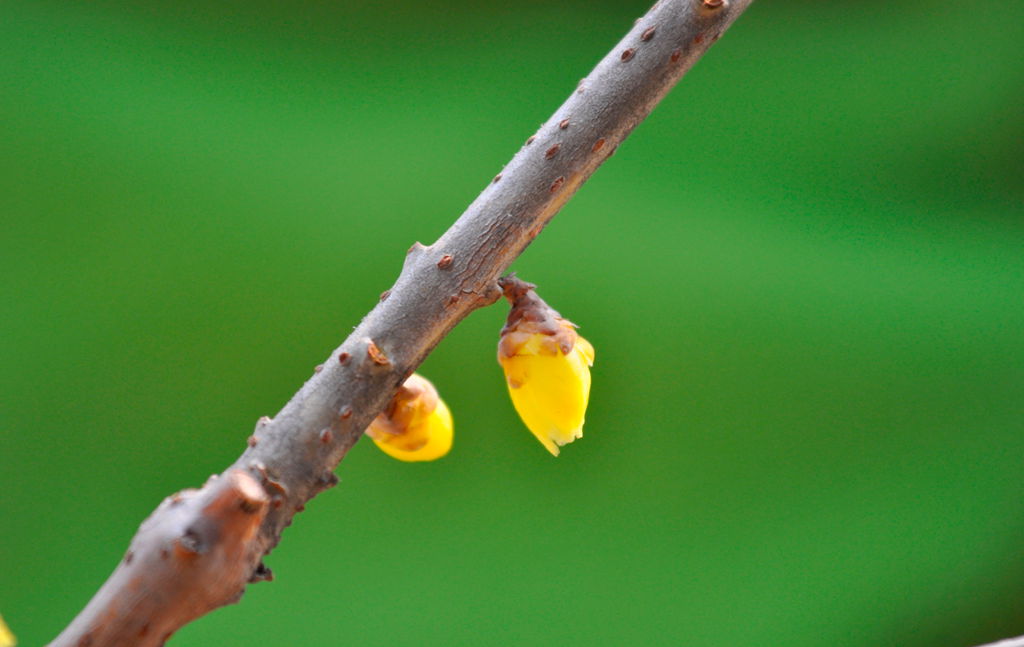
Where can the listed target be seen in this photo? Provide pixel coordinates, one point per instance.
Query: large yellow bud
(416, 426)
(547, 366)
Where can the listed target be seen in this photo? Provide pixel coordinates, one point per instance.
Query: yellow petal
(417, 425)
(550, 391)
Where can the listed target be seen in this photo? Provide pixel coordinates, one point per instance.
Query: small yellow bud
(547, 367)
(7, 639)
(416, 426)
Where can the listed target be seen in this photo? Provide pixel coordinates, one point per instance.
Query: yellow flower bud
(416, 426)
(547, 367)
(7, 639)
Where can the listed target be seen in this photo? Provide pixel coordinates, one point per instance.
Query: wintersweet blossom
(416, 426)
(547, 367)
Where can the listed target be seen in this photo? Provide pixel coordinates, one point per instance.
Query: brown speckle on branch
(627, 53)
(345, 413)
(698, 39)
(598, 145)
(496, 178)
(551, 152)
(648, 34)
(714, 4)
(375, 354)
(676, 53)
(445, 262)
(557, 184)
(343, 358)
(529, 140)
(452, 300)
(189, 544)
(384, 295)
(563, 124)
(252, 441)
(326, 436)
(276, 486)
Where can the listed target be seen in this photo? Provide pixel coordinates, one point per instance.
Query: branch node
(491, 294)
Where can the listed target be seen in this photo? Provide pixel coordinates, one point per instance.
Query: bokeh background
(804, 277)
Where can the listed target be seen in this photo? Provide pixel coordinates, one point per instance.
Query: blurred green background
(804, 277)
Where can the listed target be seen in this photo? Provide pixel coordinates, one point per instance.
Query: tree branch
(198, 550)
